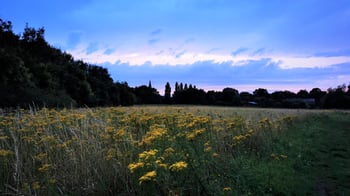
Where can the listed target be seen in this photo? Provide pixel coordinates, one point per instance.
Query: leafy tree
(317, 94)
(230, 97)
(303, 94)
(147, 95)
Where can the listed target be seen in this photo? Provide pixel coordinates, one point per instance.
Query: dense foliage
(34, 72)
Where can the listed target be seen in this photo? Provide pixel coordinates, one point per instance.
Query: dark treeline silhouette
(332, 98)
(34, 72)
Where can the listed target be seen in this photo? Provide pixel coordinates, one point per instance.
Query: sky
(213, 44)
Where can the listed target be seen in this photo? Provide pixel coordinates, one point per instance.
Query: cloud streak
(183, 57)
(253, 74)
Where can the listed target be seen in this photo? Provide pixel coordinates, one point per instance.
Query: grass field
(175, 150)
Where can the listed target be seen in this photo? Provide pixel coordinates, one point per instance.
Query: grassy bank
(175, 151)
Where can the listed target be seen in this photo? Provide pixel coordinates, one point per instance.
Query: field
(174, 150)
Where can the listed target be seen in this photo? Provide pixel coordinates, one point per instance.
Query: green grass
(170, 150)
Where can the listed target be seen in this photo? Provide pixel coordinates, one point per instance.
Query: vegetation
(33, 72)
(174, 151)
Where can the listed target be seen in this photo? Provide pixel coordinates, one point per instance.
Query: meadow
(174, 150)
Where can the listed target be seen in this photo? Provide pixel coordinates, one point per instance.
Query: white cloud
(310, 62)
(189, 58)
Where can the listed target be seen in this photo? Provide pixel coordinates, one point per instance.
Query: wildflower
(4, 137)
(161, 164)
(155, 133)
(148, 177)
(147, 155)
(119, 134)
(110, 154)
(36, 185)
(52, 181)
(169, 151)
(178, 166)
(274, 156)
(105, 136)
(208, 149)
(215, 154)
(41, 156)
(133, 166)
(226, 189)
(195, 133)
(283, 156)
(109, 129)
(44, 168)
(5, 153)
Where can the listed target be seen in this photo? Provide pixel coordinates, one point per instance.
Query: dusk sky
(274, 44)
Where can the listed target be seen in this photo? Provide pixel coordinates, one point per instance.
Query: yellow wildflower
(283, 156)
(147, 155)
(119, 134)
(168, 151)
(155, 133)
(178, 166)
(208, 149)
(226, 189)
(109, 129)
(41, 156)
(133, 166)
(5, 153)
(52, 181)
(4, 137)
(148, 177)
(110, 154)
(44, 168)
(36, 185)
(161, 164)
(274, 156)
(105, 136)
(195, 133)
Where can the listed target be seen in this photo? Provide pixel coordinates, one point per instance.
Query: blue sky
(278, 45)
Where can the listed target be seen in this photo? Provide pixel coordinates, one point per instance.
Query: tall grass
(145, 151)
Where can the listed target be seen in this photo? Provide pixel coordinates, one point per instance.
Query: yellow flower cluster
(134, 166)
(148, 177)
(178, 166)
(241, 138)
(148, 155)
(111, 153)
(44, 168)
(5, 153)
(152, 143)
(155, 133)
(278, 157)
(192, 135)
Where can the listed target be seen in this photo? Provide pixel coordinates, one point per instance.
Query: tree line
(338, 97)
(34, 72)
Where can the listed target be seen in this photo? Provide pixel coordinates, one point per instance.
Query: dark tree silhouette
(167, 93)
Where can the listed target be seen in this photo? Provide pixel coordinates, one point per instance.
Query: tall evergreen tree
(167, 93)
(177, 87)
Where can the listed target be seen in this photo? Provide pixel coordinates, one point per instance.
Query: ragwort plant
(133, 151)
